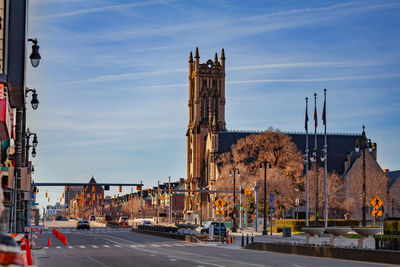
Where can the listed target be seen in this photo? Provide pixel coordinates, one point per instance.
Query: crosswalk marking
(158, 245)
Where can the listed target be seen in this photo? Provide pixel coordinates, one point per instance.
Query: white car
(148, 223)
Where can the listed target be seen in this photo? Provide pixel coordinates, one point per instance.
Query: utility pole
(170, 202)
(158, 202)
(241, 208)
(256, 206)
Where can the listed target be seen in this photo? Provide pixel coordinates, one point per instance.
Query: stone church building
(207, 137)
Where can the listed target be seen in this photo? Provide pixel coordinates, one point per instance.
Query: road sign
(377, 213)
(219, 212)
(376, 202)
(219, 203)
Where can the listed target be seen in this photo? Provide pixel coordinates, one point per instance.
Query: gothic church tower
(206, 116)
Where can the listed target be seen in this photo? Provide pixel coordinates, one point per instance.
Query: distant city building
(71, 192)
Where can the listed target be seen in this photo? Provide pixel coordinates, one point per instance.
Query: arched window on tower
(215, 106)
(204, 107)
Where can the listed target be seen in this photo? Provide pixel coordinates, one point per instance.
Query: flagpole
(306, 157)
(316, 161)
(326, 164)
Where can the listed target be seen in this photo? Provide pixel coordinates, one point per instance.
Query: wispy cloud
(101, 9)
(324, 79)
(309, 65)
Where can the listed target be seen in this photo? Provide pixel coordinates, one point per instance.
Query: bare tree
(282, 180)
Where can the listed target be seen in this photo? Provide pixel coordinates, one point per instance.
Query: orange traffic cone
(48, 242)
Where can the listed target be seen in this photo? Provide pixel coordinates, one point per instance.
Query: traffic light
(192, 193)
(170, 191)
(139, 187)
(120, 188)
(106, 187)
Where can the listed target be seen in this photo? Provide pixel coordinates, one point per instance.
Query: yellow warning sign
(219, 212)
(376, 202)
(377, 213)
(219, 203)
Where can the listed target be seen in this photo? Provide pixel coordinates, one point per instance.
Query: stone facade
(206, 118)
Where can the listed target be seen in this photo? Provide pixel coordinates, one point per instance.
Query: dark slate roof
(393, 176)
(339, 145)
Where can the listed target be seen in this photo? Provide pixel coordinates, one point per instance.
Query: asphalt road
(119, 247)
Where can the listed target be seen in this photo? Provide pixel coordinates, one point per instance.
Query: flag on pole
(315, 117)
(324, 113)
(306, 120)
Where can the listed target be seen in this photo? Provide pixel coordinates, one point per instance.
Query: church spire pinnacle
(196, 55)
(190, 57)
(216, 59)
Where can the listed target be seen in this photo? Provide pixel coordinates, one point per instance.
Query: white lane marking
(58, 247)
(166, 245)
(133, 246)
(225, 255)
(141, 246)
(82, 246)
(153, 255)
(106, 246)
(93, 246)
(118, 246)
(178, 245)
(172, 259)
(156, 246)
(190, 244)
(70, 247)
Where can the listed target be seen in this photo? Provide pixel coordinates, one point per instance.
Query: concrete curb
(380, 256)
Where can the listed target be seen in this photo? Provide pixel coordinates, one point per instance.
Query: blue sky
(113, 91)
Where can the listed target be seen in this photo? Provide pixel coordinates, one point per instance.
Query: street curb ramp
(380, 256)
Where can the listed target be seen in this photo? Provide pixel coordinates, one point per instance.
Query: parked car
(92, 218)
(217, 228)
(148, 223)
(83, 224)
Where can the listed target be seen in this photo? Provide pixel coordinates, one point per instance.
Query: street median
(165, 231)
(381, 256)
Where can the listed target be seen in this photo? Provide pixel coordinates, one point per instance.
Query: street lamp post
(233, 172)
(265, 164)
(34, 56)
(28, 135)
(364, 143)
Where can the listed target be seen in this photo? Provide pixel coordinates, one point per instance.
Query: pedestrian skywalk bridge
(133, 246)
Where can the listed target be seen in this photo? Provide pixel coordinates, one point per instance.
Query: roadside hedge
(296, 225)
(391, 227)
